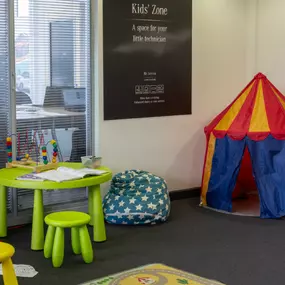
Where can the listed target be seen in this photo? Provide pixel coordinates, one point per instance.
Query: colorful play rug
(155, 274)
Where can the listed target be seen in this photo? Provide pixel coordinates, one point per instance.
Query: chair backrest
(22, 98)
(53, 97)
(78, 145)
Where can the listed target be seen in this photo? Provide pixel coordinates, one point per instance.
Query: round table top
(8, 178)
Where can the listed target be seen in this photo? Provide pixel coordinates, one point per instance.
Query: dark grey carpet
(234, 250)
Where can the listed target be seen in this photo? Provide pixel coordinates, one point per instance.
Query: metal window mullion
(90, 138)
(96, 71)
(12, 98)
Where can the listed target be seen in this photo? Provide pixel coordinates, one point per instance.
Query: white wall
(173, 147)
(270, 47)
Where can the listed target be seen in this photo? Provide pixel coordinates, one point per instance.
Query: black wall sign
(147, 58)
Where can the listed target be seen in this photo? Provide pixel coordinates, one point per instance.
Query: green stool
(54, 242)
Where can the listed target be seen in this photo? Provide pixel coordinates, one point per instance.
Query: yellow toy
(6, 253)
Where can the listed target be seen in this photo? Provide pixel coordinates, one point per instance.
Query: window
(53, 90)
(4, 77)
(4, 85)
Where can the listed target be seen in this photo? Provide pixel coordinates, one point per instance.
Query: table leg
(3, 211)
(98, 216)
(90, 205)
(38, 221)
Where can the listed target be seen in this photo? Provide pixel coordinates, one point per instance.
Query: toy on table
(91, 161)
(54, 154)
(27, 162)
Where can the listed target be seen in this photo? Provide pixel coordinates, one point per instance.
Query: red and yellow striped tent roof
(258, 111)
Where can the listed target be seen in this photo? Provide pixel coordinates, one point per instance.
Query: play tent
(254, 124)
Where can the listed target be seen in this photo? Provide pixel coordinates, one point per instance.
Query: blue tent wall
(268, 163)
(225, 168)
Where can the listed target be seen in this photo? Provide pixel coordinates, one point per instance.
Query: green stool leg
(75, 241)
(91, 205)
(49, 242)
(38, 222)
(86, 246)
(3, 211)
(58, 248)
(98, 215)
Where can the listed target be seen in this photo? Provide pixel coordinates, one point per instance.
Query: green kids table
(8, 178)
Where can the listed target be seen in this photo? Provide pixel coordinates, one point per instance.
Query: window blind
(53, 93)
(4, 83)
(4, 78)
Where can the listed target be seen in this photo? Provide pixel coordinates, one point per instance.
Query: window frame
(14, 218)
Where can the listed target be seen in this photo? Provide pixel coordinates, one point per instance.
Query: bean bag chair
(136, 197)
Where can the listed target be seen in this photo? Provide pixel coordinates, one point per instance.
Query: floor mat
(156, 274)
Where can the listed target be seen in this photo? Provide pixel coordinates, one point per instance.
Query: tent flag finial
(260, 76)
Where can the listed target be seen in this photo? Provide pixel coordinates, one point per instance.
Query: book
(62, 174)
(66, 174)
(30, 176)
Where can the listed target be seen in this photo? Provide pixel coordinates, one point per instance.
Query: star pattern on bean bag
(137, 198)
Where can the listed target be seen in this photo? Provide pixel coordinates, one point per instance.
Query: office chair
(78, 145)
(22, 98)
(53, 97)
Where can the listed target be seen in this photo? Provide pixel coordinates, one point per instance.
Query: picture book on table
(30, 176)
(63, 174)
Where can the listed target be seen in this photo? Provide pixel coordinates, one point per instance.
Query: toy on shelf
(27, 162)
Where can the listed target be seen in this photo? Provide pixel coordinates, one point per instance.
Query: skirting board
(185, 194)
